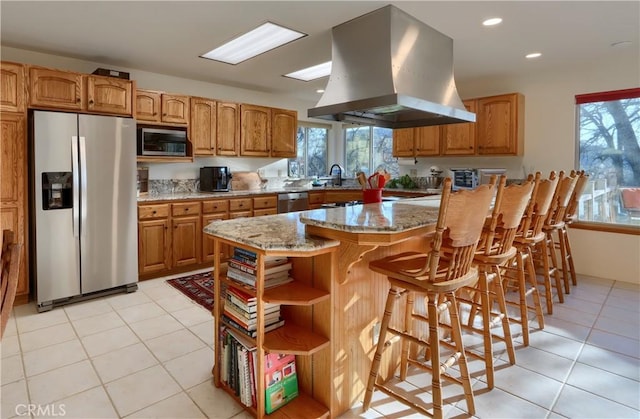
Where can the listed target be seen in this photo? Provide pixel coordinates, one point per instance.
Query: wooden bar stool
(495, 251)
(437, 275)
(521, 270)
(571, 215)
(544, 254)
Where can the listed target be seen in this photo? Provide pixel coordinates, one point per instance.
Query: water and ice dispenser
(57, 190)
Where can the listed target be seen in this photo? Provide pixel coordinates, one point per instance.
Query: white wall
(549, 137)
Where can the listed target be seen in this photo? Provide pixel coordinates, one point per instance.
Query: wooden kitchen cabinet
(50, 88)
(12, 87)
(416, 142)
(460, 139)
(227, 129)
(255, 130)
(316, 199)
(265, 205)
(13, 190)
(186, 234)
(154, 238)
(213, 210)
(500, 125)
(203, 126)
(284, 127)
(159, 107)
(109, 95)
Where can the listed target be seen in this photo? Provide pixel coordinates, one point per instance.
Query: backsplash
(162, 186)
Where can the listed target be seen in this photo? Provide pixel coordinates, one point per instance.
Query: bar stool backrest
(539, 206)
(509, 208)
(561, 198)
(572, 209)
(460, 221)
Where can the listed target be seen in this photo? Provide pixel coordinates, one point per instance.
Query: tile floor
(149, 354)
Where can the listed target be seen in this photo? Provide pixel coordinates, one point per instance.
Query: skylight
(264, 38)
(312, 73)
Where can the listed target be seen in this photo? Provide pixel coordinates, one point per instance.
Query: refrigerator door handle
(83, 184)
(76, 186)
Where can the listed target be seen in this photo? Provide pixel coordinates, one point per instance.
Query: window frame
(591, 98)
(306, 125)
(371, 140)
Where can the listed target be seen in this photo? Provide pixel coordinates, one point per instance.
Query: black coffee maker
(215, 179)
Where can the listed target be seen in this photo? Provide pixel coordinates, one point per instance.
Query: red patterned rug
(198, 287)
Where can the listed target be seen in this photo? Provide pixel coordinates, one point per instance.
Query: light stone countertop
(286, 232)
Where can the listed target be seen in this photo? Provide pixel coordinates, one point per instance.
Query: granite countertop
(286, 232)
(385, 217)
(230, 194)
(282, 232)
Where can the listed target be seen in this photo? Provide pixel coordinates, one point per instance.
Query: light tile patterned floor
(149, 354)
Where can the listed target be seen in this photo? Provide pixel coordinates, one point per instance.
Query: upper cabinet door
(175, 109)
(203, 126)
(12, 88)
(427, 141)
(501, 124)
(148, 105)
(284, 125)
(55, 89)
(255, 131)
(460, 139)
(403, 142)
(227, 129)
(109, 95)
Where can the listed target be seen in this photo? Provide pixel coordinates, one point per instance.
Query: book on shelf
(250, 280)
(251, 333)
(238, 365)
(250, 308)
(280, 380)
(253, 270)
(251, 323)
(250, 258)
(245, 313)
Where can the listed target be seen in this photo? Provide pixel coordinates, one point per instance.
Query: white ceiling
(168, 36)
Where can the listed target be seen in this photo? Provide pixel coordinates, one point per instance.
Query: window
(368, 149)
(312, 151)
(609, 151)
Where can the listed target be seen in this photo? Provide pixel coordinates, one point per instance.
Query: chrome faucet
(338, 181)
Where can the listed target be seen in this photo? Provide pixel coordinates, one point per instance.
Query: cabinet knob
(175, 227)
(78, 100)
(155, 113)
(153, 212)
(91, 102)
(186, 209)
(164, 114)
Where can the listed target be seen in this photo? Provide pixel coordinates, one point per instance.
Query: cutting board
(243, 181)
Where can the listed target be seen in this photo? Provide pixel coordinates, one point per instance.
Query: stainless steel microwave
(162, 142)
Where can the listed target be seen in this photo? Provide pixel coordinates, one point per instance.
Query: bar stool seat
(435, 275)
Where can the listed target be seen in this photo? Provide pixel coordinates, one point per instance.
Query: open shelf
(293, 339)
(302, 406)
(294, 293)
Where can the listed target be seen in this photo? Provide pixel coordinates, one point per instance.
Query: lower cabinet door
(207, 241)
(153, 246)
(186, 241)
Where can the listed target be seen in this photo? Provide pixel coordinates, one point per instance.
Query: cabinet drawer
(185, 208)
(210, 207)
(316, 198)
(153, 211)
(240, 214)
(263, 202)
(265, 211)
(241, 204)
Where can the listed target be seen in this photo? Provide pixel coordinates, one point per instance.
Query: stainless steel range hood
(391, 70)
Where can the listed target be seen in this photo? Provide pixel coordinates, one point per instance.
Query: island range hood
(391, 70)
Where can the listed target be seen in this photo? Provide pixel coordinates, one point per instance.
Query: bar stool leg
(572, 268)
(406, 344)
(434, 345)
(537, 302)
(485, 309)
(393, 294)
(562, 244)
(502, 305)
(554, 268)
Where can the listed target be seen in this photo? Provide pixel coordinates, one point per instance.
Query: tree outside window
(312, 151)
(369, 149)
(609, 151)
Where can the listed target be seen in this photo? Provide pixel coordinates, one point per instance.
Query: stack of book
(243, 268)
(239, 368)
(240, 311)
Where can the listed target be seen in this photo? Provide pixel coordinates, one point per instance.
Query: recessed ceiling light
(533, 55)
(492, 22)
(311, 73)
(320, 91)
(621, 44)
(260, 40)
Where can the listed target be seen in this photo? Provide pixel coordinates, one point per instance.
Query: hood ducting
(391, 70)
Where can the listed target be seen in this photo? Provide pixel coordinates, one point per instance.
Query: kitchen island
(330, 250)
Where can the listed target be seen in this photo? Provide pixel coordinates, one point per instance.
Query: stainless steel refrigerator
(84, 210)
